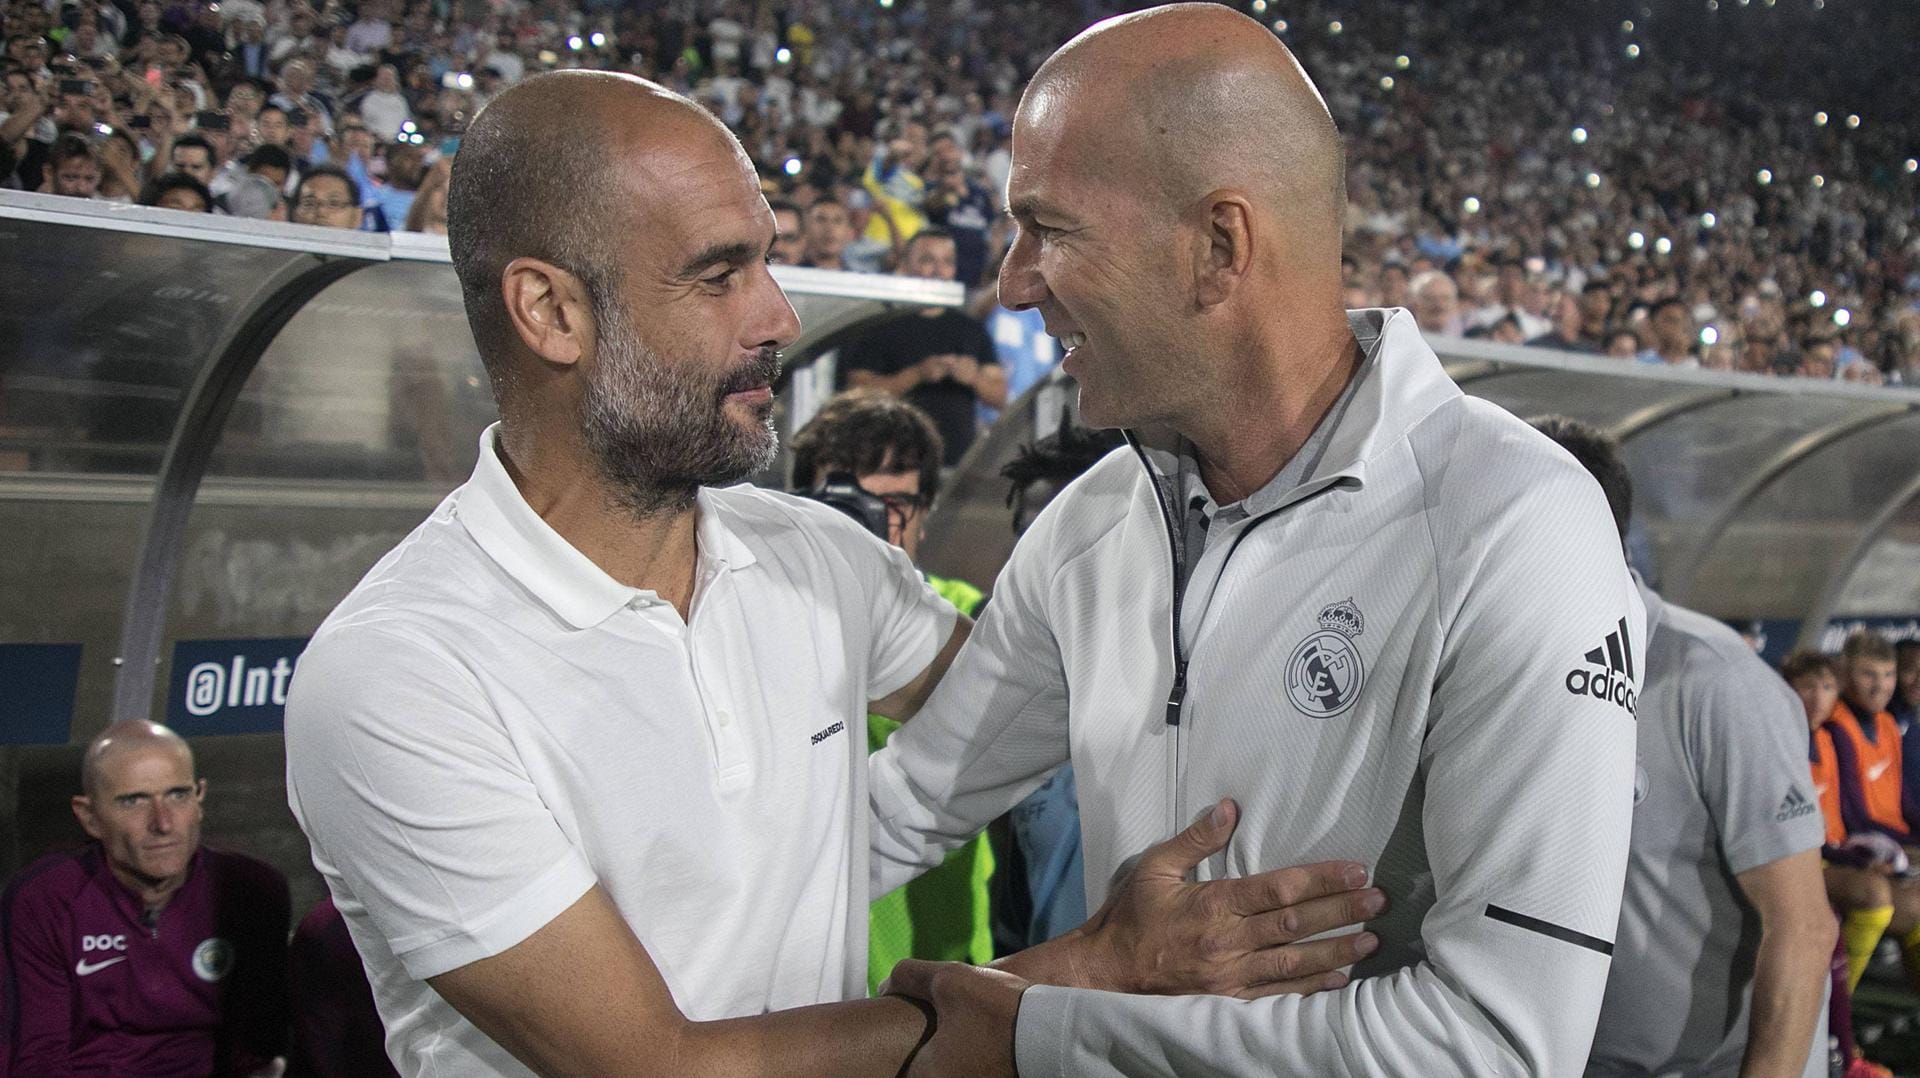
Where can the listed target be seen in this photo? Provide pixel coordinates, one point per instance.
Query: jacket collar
(126, 899)
(1400, 383)
(566, 581)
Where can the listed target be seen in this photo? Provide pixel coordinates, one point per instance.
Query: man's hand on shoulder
(1161, 933)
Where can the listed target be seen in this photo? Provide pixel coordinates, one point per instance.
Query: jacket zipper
(1177, 693)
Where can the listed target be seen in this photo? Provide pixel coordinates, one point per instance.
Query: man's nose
(776, 325)
(1021, 285)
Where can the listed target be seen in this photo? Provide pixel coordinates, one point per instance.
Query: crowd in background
(1722, 183)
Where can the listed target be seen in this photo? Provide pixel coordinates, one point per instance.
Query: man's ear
(549, 310)
(1226, 253)
(83, 811)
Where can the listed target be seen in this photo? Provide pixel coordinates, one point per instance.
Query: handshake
(1161, 934)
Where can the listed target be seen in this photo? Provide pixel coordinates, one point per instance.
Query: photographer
(877, 459)
(26, 130)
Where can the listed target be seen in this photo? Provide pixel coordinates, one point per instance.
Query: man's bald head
(122, 738)
(544, 173)
(1194, 98)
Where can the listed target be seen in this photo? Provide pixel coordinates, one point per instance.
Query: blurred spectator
(336, 1027)
(1817, 358)
(74, 167)
(392, 200)
(384, 107)
(428, 213)
(177, 191)
(371, 32)
(1906, 694)
(789, 242)
(271, 162)
(119, 166)
(1436, 304)
(297, 92)
(327, 197)
(248, 54)
(874, 235)
(254, 197)
(827, 234)
(194, 155)
(959, 204)
(1566, 333)
(270, 126)
(1673, 335)
(938, 358)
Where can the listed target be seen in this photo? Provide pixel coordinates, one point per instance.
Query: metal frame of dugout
(210, 429)
(178, 366)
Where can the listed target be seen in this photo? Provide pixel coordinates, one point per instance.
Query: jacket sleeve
(990, 734)
(39, 993)
(1526, 792)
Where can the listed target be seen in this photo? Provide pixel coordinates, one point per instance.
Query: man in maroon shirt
(143, 953)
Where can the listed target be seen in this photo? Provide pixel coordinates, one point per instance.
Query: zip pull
(1178, 696)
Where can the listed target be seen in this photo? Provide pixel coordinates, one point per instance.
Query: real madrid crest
(213, 959)
(1325, 672)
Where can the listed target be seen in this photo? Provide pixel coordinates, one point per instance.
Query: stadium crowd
(1732, 189)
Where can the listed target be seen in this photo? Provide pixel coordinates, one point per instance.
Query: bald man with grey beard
(574, 758)
(1319, 581)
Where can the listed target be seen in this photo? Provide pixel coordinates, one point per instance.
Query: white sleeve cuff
(1040, 1032)
(519, 915)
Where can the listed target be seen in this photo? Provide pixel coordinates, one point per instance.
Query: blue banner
(37, 705)
(231, 686)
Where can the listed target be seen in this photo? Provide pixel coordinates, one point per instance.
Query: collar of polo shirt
(565, 580)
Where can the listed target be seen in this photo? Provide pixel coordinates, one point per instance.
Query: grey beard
(658, 429)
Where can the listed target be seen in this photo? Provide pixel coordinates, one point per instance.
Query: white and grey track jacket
(1423, 658)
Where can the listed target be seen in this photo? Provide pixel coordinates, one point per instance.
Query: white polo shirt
(489, 724)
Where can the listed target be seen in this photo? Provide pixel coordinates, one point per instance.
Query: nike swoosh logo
(1874, 773)
(85, 967)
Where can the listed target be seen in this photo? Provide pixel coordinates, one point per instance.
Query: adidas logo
(1794, 806)
(1614, 681)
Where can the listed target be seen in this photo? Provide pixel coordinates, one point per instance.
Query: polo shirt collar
(566, 581)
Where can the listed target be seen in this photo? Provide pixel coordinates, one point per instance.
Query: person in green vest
(877, 458)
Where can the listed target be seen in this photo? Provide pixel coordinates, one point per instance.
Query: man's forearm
(1788, 979)
(1061, 961)
(855, 1039)
(18, 125)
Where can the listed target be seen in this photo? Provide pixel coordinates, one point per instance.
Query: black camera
(842, 491)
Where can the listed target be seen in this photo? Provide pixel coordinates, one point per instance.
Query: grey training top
(1722, 787)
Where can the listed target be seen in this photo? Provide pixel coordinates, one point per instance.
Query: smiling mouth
(1071, 341)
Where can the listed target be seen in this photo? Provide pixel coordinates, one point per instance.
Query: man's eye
(721, 280)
